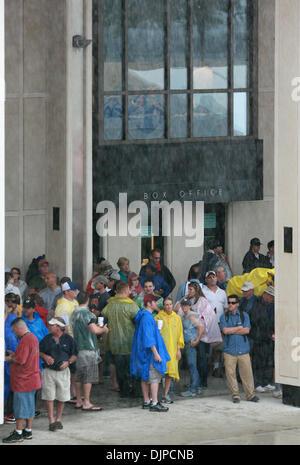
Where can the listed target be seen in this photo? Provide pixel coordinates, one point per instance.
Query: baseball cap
(57, 321)
(270, 290)
(150, 298)
(247, 286)
(29, 303)
(255, 241)
(99, 279)
(186, 302)
(69, 286)
(114, 275)
(210, 272)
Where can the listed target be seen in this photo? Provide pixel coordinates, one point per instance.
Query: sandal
(52, 426)
(93, 408)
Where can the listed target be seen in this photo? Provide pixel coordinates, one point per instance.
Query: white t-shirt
(218, 300)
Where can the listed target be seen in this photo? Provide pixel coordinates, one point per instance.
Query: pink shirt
(25, 375)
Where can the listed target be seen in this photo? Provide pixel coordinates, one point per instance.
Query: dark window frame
(98, 84)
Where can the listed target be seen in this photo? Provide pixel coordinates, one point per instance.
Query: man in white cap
(262, 338)
(248, 299)
(67, 304)
(58, 351)
(64, 309)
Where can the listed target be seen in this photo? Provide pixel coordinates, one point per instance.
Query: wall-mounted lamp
(81, 42)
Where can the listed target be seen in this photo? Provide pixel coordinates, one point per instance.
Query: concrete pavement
(210, 419)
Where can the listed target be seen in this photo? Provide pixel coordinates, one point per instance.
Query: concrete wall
(256, 219)
(48, 135)
(287, 200)
(26, 123)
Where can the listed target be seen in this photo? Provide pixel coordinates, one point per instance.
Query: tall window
(174, 69)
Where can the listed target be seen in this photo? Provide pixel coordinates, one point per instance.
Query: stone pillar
(2, 205)
(287, 200)
(69, 138)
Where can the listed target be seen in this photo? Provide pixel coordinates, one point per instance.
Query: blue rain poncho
(147, 335)
(11, 343)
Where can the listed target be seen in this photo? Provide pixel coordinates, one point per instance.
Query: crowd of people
(59, 339)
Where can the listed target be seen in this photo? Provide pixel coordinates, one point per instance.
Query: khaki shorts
(154, 375)
(56, 385)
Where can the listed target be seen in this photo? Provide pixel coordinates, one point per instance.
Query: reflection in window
(146, 37)
(240, 112)
(210, 115)
(178, 44)
(178, 115)
(113, 45)
(210, 44)
(146, 116)
(241, 48)
(113, 117)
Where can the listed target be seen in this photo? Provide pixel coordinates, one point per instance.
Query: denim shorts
(24, 404)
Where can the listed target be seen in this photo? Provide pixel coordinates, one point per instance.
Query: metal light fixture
(81, 42)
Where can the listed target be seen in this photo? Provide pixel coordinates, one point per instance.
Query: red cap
(150, 298)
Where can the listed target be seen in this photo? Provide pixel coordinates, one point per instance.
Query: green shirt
(80, 320)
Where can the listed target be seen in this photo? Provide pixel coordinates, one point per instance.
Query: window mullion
(167, 68)
(190, 68)
(230, 67)
(125, 69)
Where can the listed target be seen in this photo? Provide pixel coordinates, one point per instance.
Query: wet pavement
(209, 419)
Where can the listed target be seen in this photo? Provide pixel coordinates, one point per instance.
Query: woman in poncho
(172, 334)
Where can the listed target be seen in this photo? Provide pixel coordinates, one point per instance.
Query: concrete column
(287, 197)
(70, 138)
(2, 204)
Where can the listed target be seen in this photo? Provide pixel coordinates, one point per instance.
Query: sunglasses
(232, 303)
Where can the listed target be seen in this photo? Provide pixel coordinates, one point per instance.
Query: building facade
(175, 102)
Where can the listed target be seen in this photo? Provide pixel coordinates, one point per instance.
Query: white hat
(247, 286)
(270, 290)
(54, 321)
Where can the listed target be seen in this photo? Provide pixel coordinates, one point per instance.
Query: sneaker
(58, 425)
(236, 400)
(166, 399)
(188, 394)
(158, 408)
(27, 434)
(254, 399)
(146, 405)
(10, 419)
(269, 388)
(260, 389)
(13, 437)
(277, 394)
(200, 391)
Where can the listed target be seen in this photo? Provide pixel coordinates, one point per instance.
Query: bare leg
(154, 392)
(59, 410)
(29, 422)
(145, 391)
(78, 395)
(50, 410)
(86, 394)
(19, 423)
(168, 382)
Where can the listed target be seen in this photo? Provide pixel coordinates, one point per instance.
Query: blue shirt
(235, 344)
(247, 304)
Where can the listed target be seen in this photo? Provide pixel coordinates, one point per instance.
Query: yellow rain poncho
(172, 334)
(260, 277)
